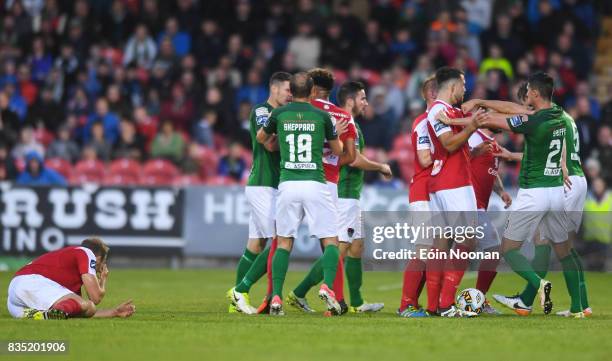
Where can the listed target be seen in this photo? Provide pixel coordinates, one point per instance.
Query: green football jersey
(351, 178)
(265, 170)
(302, 130)
(572, 143)
(544, 134)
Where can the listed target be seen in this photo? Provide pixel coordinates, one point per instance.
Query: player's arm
(443, 117)
(453, 141)
(331, 134)
(266, 132)
(499, 106)
(505, 154)
(498, 188)
(564, 170)
(480, 149)
(126, 309)
(271, 144)
(362, 162)
(349, 152)
(96, 288)
(424, 158)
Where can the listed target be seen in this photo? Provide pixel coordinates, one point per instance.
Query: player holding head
(541, 201)
(323, 83)
(49, 287)
(414, 273)
(260, 192)
(450, 190)
(302, 131)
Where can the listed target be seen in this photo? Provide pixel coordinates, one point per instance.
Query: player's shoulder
(83, 250)
(261, 112)
(436, 107)
(419, 121)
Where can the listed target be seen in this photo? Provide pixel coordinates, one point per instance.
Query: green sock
(244, 264)
(540, 263)
(572, 281)
(280, 264)
(257, 270)
(354, 275)
(313, 277)
(522, 267)
(330, 264)
(583, 290)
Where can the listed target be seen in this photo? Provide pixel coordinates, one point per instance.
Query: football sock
(522, 267)
(70, 306)
(244, 264)
(486, 274)
(280, 264)
(583, 290)
(257, 270)
(422, 284)
(339, 281)
(330, 264)
(572, 281)
(434, 268)
(354, 276)
(540, 263)
(273, 247)
(313, 277)
(413, 277)
(453, 274)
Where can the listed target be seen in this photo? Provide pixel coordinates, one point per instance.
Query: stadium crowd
(151, 91)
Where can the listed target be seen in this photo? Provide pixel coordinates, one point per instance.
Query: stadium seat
(123, 171)
(60, 165)
(159, 172)
(187, 180)
(220, 180)
(210, 160)
(88, 171)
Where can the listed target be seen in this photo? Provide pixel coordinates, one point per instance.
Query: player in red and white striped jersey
(50, 286)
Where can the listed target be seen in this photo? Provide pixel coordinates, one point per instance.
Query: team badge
(92, 264)
(261, 116)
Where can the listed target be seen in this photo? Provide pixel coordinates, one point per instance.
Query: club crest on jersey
(516, 121)
(261, 116)
(92, 264)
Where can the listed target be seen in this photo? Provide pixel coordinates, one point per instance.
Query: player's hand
(104, 272)
(470, 105)
(341, 127)
(482, 148)
(506, 198)
(502, 153)
(567, 182)
(479, 118)
(126, 309)
(272, 143)
(443, 117)
(385, 170)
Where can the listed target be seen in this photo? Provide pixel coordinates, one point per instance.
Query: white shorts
(574, 202)
(420, 215)
(33, 291)
(305, 199)
(533, 207)
(491, 237)
(454, 207)
(350, 220)
(262, 205)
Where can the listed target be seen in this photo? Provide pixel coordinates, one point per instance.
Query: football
(470, 299)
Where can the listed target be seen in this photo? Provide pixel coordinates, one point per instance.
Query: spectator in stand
(140, 50)
(403, 48)
(47, 111)
(192, 164)
(130, 145)
(203, 128)
(67, 62)
(604, 152)
(181, 41)
(253, 91)
(496, 61)
(99, 142)
(27, 143)
(117, 103)
(597, 226)
(178, 108)
(373, 52)
(168, 143)
(587, 125)
(63, 146)
(376, 122)
(9, 121)
(27, 88)
(208, 44)
(337, 49)
(40, 62)
(305, 47)
(108, 119)
(8, 170)
(16, 102)
(35, 172)
(232, 165)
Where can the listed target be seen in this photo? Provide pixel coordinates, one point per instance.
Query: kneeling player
(50, 286)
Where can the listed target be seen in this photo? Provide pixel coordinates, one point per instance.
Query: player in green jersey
(302, 193)
(540, 200)
(260, 193)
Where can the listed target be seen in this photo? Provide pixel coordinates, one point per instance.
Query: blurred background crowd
(151, 91)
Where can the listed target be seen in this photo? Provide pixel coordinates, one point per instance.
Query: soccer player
(540, 200)
(49, 287)
(323, 80)
(575, 195)
(260, 192)
(418, 197)
(302, 131)
(450, 191)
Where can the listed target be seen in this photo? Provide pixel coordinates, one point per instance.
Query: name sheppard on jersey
(299, 127)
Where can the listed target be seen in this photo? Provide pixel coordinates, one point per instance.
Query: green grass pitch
(183, 315)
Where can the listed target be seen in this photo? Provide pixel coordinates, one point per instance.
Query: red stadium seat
(187, 180)
(159, 172)
(220, 180)
(88, 171)
(60, 165)
(123, 170)
(210, 160)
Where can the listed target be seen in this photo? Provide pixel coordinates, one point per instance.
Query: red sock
(273, 247)
(486, 274)
(339, 281)
(413, 276)
(455, 268)
(422, 284)
(434, 269)
(70, 306)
